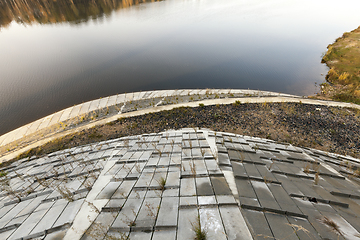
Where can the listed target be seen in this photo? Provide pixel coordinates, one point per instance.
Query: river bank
(343, 78)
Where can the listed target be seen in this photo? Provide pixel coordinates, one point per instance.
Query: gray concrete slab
(234, 223)
(280, 226)
(124, 190)
(111, 101)
(316, 220)
(32, 205)
(258, 224)
(148, 213)
(94, 105)
(127, 215)
(187, 187)
(45, 122)
(165, 234)
(50, 216)
(109, 190)
(245, 188)
(69, 213)
(187, 221)
(168, 212)
(55, 119)
(220, 186)
(18, 220)
(6, 234)
(204, 187)
(66, 114)
(103, 102)
(211, 221)
(140, 235)
(303, 228)
(28, 225)
(15, 210)
(9, 137)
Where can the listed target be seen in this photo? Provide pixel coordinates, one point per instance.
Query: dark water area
(55, 54)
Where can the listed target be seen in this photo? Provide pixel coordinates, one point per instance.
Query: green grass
(200, 234)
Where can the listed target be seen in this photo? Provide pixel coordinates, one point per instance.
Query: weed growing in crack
(161, 182)
(332, 225)
(316, 178)
(137, 167)
(200, 233)
(192, 168)
(152, 212)
(296, 228)
(6, 187)
(202, 150)
(307, 168)
(100, 231)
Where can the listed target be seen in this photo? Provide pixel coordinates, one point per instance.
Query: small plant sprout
(307, 168)
(316, 178)
(161, 182)
(200, 234)
(152, 212)
(202, 150)
(332, 225)
(137, 167)
(192, 168)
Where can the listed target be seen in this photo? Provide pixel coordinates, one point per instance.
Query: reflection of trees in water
(54, 11)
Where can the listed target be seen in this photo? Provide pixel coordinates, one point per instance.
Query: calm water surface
(54, 54)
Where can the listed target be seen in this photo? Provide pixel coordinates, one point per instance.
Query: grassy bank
(325, 128)
(343, 78)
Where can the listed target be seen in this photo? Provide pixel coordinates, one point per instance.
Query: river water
(54, 54)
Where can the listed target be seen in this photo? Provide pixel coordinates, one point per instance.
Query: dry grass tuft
(332, 225)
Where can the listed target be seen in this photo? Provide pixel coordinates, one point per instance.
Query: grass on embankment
(343, 78)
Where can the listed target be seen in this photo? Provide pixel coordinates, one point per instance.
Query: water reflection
(55, 11)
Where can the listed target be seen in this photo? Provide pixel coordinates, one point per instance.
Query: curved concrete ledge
(104, 110)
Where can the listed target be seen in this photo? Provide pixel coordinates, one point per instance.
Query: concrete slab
(94, 105)
(15, 211)
(168, 212)
(204, 187)
(9, 137)
(111, 101)
(234, 222)
(103, 102)
(75, 111)
(121, 98)
(257, 224)
(211, 221)
(21, 133)
(245, 188)
(187, 221)
(127, 215)
(220, 186)
(165, 234)
(28, 225)
(140, 235)
(66, 114)
(50, 216)
(187, 187)
(280, 226)
(69, 213)
(148, 213)
(34, 203)
(109, 190)
(56, 117)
